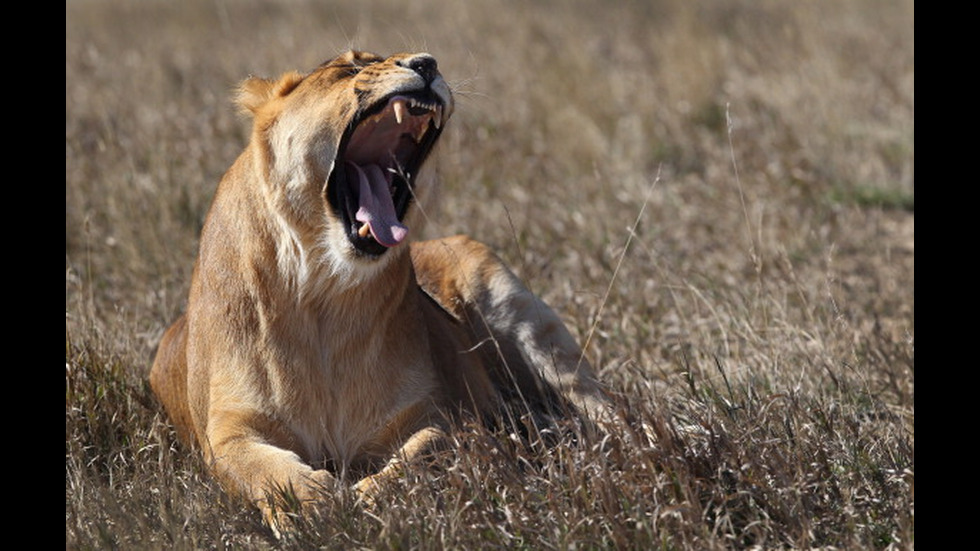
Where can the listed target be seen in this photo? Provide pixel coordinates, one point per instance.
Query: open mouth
(372, 183)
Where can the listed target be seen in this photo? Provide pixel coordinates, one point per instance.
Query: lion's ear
(255, 92)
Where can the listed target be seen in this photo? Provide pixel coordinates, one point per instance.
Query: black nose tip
(424, 65)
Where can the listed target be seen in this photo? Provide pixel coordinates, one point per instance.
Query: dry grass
(761, 321)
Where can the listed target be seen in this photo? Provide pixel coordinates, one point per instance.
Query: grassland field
(716, 195)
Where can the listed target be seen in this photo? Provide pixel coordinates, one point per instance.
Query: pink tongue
(376, 207)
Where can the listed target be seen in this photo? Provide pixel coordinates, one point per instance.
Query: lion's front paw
(284, 506)
(368, 489)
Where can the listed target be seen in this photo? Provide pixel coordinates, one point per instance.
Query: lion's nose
(424, 65)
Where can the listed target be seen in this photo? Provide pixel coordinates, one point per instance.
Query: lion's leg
(423, 442)
(533, 345)
(168, 379)
(530, 335)
(251, 457)
(240, 447)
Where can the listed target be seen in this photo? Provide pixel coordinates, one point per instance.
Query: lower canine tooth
(364, 231)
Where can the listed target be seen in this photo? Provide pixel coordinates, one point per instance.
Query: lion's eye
(350, 69)
(359, 65)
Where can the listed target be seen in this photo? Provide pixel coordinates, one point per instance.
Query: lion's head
(341, 147)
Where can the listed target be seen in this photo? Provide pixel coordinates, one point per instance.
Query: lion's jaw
(343, 151)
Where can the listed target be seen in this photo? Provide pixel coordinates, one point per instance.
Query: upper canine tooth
(400, 110)
(437, 119)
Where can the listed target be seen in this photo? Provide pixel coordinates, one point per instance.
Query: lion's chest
(350, 402)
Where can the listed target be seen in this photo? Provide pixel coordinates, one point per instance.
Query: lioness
(319, 345)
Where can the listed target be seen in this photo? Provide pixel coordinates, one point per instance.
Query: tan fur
(300, 362)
